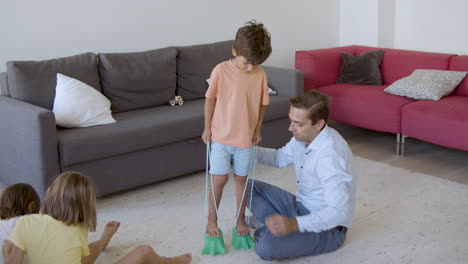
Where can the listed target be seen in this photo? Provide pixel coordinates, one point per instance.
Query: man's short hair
(314, 101)
(253, 42)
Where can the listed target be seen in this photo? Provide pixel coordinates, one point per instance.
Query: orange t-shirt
(239, 95)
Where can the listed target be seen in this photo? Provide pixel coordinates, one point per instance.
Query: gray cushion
(138, 80)
(34, 81)
(427, 84)
(194, 66)
(134, 130)
(143, 129)
(361, 69)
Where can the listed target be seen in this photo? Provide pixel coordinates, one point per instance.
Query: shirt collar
(319, 139)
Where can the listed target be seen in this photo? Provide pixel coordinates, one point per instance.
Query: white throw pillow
(77, 104)
(270, 90)
(427, 84)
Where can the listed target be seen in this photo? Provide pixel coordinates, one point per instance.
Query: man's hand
(206, 136)
(257, 137)
(280, 225)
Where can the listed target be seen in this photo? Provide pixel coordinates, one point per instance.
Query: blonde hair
(71, 199)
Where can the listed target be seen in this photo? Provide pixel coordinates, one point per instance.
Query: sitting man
(316, 220)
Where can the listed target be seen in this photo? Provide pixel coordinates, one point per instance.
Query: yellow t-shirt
(239, 95)
(49, 241)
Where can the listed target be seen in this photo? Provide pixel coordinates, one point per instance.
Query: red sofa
(443, 122)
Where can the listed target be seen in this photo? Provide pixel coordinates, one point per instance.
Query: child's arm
(209, 110)
(12, 254)
(257, 138)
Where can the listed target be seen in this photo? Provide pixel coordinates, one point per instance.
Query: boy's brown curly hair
(253, 42)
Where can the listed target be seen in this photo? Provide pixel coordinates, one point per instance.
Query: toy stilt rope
(245, 242)
(215, 245)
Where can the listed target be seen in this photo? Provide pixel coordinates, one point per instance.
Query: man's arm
(257, 138)
(11, 253)
(336, 182)
(279, 158)
(209, 110)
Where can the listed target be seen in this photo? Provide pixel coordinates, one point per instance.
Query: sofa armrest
(286, 82)
(4, 84)
(28, 144)
(321, 66)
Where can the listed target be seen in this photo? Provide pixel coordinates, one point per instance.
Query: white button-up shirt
(325, 177)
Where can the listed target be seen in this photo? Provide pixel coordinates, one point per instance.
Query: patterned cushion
(427, 84)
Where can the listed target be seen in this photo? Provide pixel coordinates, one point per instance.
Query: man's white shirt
(325, 177)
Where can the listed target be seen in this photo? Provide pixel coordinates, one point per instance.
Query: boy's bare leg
(96, 247)
(219, 181)
(242, 228)
(145, 254)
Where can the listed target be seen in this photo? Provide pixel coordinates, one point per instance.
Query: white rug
(401, 217)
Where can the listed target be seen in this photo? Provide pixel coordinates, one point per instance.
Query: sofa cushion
(433, 121)
(77, 104)
(361, 69)
(460, 63)
(143, 129)
(427, 84)
(397, 64)
(194, 66)
(34, 81)
(366, 106)
(140, 79)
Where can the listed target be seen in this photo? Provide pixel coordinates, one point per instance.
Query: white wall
(426, 25)
(359, 22)
(432, 25)
(36, 30)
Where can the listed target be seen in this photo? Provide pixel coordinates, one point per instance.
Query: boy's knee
(241, 179)
(220, 181)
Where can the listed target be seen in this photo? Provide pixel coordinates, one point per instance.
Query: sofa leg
(398, 143)
(402, 145)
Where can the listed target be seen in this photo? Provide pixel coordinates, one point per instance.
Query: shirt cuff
(301, 223)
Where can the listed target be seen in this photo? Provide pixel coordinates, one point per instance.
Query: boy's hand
(257, 137)
(206, 136)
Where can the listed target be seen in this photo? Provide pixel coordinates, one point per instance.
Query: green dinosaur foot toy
(241, 242)
(214, 245)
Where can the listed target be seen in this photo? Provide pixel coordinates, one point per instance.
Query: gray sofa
(151, 141)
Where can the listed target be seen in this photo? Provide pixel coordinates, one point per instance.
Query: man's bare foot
(109, 231)
(212, 229)
(242, 228)
(182, 259)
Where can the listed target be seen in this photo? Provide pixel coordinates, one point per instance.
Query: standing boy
(234, 109)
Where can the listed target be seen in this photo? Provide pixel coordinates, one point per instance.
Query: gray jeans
(267, 200)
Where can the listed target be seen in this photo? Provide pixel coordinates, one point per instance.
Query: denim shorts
(222, 155)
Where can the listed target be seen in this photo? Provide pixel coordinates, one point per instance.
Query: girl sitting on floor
(60, 234)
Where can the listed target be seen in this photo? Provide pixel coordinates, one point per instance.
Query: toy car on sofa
(177, 100)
